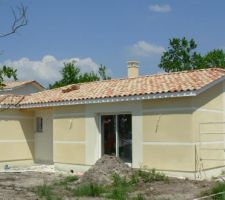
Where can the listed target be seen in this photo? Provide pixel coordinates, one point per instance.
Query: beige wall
(16, 136)
(44, 140)
(209, 127)
(69, 135)
(167, 134)
(177, 132)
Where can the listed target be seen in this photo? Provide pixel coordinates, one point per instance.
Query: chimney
(133, 69)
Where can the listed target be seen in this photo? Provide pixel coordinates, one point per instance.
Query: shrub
(89, 190)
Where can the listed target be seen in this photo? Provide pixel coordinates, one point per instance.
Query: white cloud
(47, 69)
(164, 8)
(145, 49)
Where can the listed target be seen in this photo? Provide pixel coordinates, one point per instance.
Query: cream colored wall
(167, 134)
(69, 135)
(44, 140)
(16, 136)
(209, 127)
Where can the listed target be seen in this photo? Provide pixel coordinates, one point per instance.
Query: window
(39, 124)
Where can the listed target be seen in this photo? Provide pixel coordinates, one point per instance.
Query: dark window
(39, 124)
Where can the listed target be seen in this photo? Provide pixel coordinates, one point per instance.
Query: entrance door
(117, 136)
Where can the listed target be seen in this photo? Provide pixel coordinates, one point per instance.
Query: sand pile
(104, 168)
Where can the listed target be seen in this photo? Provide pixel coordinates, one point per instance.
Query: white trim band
(16, 141)
(183, 143)
(69, 142)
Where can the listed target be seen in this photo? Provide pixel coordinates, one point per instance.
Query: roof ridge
(149, 75)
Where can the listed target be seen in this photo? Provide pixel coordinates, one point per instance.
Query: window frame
(39, 124)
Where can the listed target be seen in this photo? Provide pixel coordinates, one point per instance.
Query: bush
(89, 190)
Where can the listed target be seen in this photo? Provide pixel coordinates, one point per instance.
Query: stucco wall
(16, 136)
(69, 135)
(209, 127)
(168, 135)
(44, 140)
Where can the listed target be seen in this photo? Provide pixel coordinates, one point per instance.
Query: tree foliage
(7, 72)
(72, 74)
(181, 55)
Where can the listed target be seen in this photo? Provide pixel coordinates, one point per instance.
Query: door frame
(100, 139)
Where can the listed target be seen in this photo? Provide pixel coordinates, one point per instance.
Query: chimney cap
(132, 63)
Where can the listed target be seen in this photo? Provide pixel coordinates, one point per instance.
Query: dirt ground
(18, 186)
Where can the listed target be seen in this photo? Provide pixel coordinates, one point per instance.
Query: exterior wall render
(44, 140)
(209, 126)
(168, 139)
(16, 132)
(69, 135)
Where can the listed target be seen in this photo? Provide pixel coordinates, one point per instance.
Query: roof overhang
(106, 100)
(191, 93)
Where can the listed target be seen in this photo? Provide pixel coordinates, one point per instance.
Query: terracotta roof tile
(153, 84)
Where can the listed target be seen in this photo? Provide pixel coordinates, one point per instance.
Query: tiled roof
(143, 85)
(14, 84)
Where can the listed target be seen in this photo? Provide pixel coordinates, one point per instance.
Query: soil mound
(101, 173)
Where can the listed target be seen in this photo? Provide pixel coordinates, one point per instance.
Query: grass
(67, 180)
(89, 190)
(45, 192)
(151, 175)
(119, 189)
(139, 197)
(219, 187)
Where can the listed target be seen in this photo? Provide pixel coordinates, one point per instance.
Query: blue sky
(105, 32)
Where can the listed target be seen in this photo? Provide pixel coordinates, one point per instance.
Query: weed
(134, 179)
(120, 188)
(152, 175)
(45, 191)
(90, 190)
(219, 187)
(67, 180)
(139, 197)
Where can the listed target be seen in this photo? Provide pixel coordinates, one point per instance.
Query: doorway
(116, 133)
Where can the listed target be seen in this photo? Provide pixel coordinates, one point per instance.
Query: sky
(108, 32)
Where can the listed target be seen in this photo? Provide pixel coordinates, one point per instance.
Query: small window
(39, 124)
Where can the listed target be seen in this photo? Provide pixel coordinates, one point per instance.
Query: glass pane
(125, 137)
(109, 135)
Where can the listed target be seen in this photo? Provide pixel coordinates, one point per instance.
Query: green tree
(215, 58)
(180, 55)
(102, 72)
(7, 72)
(71, 74)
